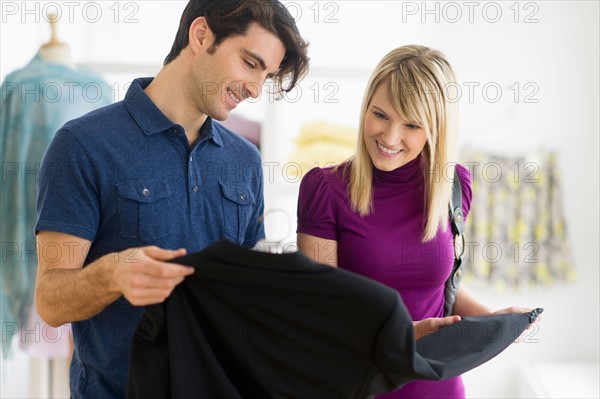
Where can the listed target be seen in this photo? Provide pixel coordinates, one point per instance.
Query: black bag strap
(457, 222)
(457, 218)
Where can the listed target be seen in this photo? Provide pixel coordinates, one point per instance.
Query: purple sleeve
(316, 208)
(465, 185)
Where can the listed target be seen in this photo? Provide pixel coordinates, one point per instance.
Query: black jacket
(251, 325)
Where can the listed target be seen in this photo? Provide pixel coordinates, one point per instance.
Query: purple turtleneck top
(386, 245)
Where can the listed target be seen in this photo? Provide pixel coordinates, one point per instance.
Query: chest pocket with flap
(237, 209)
(144, 209)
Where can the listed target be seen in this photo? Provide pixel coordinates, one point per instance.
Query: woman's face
(390, 140)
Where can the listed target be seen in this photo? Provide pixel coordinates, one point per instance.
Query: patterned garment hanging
(516, 234)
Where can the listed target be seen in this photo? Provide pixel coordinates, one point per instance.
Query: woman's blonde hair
(419, 79)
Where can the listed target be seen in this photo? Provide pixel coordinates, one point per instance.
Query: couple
(153, 177)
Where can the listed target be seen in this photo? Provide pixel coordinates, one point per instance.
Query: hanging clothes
(36, 101)
(517, 235)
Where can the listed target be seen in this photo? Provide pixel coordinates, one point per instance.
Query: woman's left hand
(515, 309)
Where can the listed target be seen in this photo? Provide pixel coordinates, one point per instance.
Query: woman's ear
(200, 34)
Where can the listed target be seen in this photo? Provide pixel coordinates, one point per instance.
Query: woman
(384, 212)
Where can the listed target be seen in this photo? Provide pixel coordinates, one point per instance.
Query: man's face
(235, 71)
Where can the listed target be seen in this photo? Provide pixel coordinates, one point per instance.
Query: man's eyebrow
(256, 57)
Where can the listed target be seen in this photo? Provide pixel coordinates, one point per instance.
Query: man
(122, 187)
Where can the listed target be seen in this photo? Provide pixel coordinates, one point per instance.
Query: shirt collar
(210, 131)
(151, 119)
(147, 115)
(405, 173)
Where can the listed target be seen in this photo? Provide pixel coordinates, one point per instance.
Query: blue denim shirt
(125, 176)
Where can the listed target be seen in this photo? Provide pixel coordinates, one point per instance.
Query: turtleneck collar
(403, 174)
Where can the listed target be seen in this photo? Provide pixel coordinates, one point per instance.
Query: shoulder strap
(457, 221)
(457, 218)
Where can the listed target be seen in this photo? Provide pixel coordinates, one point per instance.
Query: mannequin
(55, 51)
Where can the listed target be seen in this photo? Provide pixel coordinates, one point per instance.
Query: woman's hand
(432, 324)
(515, 309)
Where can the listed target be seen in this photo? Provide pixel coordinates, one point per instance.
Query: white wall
(551, 45)
(560, 55)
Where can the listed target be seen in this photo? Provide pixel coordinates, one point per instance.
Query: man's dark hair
(228, 18)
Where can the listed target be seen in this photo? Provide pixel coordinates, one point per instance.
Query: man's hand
(432, 324)
(143, 276)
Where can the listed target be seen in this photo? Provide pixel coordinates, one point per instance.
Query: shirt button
(195, 188)
(243, 197)
(146, 192)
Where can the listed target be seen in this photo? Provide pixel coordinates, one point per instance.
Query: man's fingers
(144, 281)
(163, 254)
(160, 269)
(143, 297)
(150, 261)
(148, 290)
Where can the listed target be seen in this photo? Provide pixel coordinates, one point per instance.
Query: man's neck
(168, 92)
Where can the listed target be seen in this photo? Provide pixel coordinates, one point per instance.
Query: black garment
(252, 325)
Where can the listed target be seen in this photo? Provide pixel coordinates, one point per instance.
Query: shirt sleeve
(465, 185)
(316, 206)
(67, 200)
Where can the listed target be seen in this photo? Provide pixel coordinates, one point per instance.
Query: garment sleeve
(67, 199)
(465, 185)
(316, 208)
(394, 349)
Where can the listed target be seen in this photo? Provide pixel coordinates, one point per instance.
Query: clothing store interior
(527, 91)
